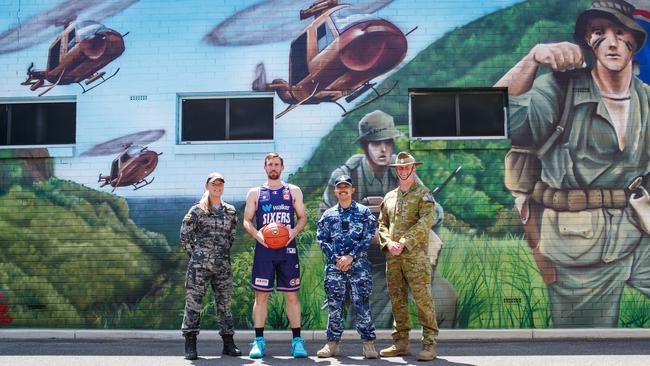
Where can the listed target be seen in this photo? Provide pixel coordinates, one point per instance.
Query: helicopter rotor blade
(116, 145)
(43, 26)
(279, 15)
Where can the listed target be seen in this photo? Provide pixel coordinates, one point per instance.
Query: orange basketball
(276, 236)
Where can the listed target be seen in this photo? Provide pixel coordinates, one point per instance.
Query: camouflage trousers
(414, 273)
(359, 281)
(196, 284)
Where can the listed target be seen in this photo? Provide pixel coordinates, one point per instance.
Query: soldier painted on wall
(585, 221)
(344, 233)
(207, 234)
(374, 178)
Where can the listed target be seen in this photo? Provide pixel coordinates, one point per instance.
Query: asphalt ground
(132, 352)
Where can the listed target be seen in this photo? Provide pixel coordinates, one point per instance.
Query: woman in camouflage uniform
(207, 233)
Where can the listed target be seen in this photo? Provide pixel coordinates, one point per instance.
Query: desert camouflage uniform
(406, 217)
(347, 232)
(207, 238)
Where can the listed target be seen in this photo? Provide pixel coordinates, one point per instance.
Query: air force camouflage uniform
(406, 217)
(347, 231)
(207, 238)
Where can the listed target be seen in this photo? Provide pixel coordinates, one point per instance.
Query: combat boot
(190, 347)
(229, 347)
(330, 349)
(428, 352)
(400, 348)
(369, 350)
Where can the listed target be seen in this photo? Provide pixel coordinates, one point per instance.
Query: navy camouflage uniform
(207, 238)
(347, 232)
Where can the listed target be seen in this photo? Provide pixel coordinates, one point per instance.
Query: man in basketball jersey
(275, 201)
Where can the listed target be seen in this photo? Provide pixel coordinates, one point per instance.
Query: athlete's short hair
(273, 155)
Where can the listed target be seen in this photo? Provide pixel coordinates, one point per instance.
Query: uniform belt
(579, 199)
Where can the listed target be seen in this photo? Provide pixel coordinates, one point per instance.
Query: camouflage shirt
(209, 235)
(406, 217)
(346, 231)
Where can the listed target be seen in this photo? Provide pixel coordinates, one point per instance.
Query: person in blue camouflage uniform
(207, 233)
(344, 234)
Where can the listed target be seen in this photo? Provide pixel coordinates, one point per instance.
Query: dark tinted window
(204, 120)
(458, 113)
(298, 59)
(325, 36)
(224, 119)
(71, 39)
(251, 119)
(37, 123)
(53, 58)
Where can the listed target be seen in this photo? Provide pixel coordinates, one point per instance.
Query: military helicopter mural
(337, 55)
(134, 163)
(78, 52)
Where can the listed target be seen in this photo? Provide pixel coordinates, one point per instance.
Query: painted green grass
(496, 278)
(497, 281)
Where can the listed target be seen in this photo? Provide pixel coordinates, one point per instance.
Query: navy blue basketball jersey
(275, 205)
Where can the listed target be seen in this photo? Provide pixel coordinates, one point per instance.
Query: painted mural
(89, 234)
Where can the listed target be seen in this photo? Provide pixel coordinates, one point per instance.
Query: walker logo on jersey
(267, 208)
(291, 250)
(261, 281)
(294, 282)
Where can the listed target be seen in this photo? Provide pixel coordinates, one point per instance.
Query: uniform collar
(585, 89)
(413, 187)
(341, 209)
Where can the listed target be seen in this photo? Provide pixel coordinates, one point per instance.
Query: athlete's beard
(273, 175)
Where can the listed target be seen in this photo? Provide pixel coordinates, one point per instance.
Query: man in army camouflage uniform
(344, 234)
(374, 178)
(407, 213)
(207, 233)
(590, 229)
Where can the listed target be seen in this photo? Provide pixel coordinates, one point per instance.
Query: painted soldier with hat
(588, 128)
(344, 233)
(373, 178)
(207, 233)
(406, 216)
(370, 170)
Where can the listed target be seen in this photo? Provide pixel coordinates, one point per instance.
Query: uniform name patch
(261, 281)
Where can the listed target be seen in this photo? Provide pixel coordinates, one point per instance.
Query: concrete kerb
(319, 335)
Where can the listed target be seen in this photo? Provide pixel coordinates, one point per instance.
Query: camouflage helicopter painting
(76, 55)
(336, 56)
(134, 163)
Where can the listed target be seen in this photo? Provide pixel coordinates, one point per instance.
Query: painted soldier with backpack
(580, 138)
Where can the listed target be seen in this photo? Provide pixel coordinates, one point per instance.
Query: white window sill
(225, 148)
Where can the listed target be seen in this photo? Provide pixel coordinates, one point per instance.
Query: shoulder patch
(429, 197)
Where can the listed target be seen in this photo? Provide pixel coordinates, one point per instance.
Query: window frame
(457, 92)
(43, 100)
(234, 95)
